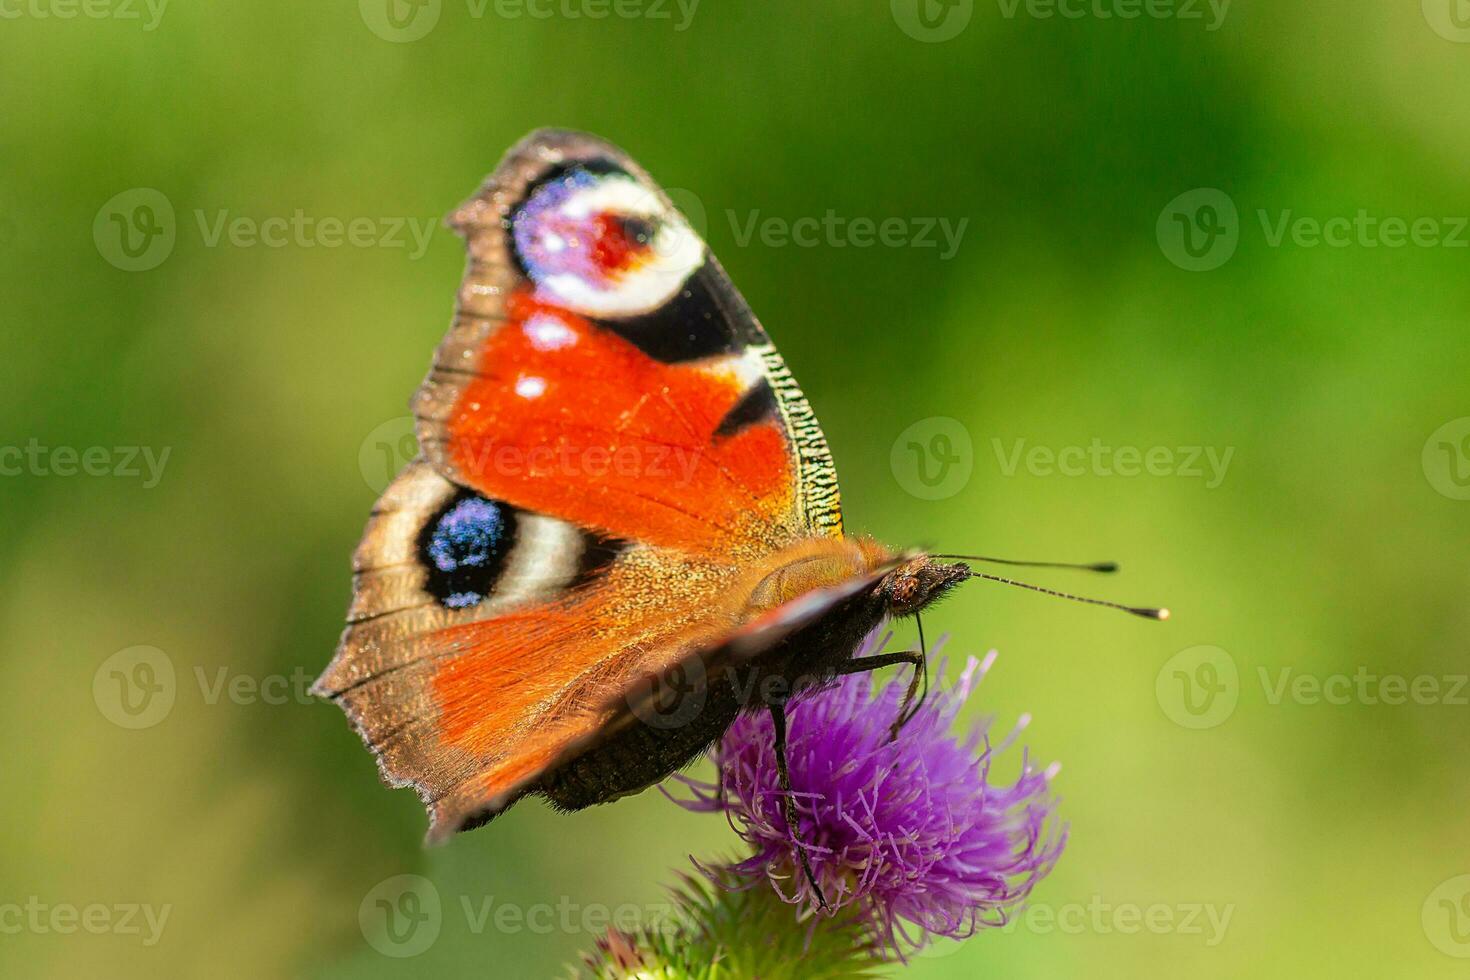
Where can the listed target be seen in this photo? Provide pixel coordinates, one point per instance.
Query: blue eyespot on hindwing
(463, 548)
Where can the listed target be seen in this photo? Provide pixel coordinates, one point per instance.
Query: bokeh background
(1253, 829)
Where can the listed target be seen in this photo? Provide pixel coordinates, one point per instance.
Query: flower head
(909, 833)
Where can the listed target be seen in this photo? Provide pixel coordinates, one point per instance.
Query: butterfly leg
(778, 721)
(912, 699)
(911, 705)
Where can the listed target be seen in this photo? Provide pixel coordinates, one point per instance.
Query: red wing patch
(570, 419)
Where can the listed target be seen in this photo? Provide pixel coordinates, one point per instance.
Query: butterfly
(623, 526)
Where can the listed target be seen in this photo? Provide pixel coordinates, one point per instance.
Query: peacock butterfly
(618, 482)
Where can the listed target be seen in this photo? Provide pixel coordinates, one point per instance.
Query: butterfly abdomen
(640, 755)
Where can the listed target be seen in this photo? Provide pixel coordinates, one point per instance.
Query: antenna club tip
(1162, 614)
(1104, 566)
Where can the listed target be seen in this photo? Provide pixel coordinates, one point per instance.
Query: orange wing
(612, 448)
(595, 431)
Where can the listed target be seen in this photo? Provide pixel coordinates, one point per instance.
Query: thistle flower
(909, 839)
(908, 835)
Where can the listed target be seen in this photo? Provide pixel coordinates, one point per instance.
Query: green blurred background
(1074, 313)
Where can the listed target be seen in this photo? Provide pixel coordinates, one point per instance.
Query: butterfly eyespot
(601, 244)
(463, 548)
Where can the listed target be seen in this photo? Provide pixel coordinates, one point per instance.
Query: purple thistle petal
(909, 833)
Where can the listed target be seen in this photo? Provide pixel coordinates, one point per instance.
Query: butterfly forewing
(612, 450)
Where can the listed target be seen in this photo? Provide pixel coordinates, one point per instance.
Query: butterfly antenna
(1097, 566)
(1146, 612)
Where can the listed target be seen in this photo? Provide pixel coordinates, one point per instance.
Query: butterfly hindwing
(612, 451)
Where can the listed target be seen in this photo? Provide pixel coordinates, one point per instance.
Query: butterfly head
(919, 582)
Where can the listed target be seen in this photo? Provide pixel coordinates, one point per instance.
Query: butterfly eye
(903, 593)
(603, 245)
